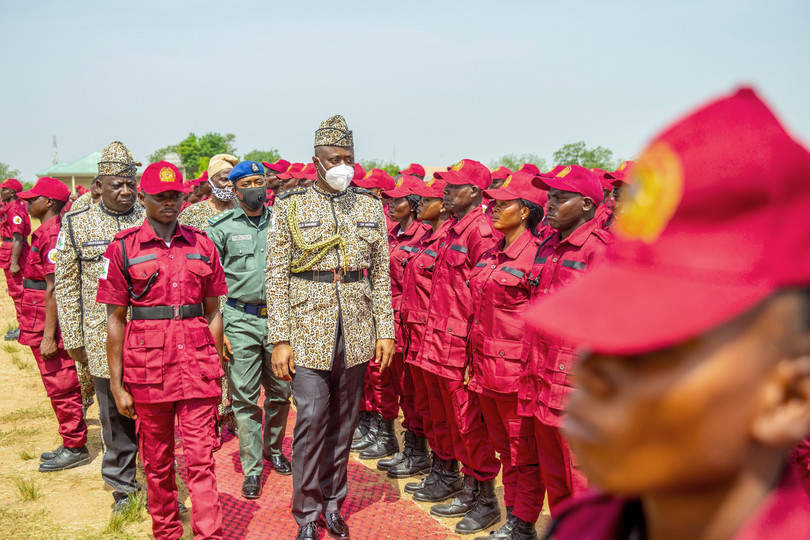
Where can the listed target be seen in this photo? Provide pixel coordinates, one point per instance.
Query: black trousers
(327, 405)
(120, 443)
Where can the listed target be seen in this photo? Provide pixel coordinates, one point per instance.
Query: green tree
(267, 156)
(158, 154)
(7, 172)
(196, 151)
(578, 153)
(388, 166)
(516, 161)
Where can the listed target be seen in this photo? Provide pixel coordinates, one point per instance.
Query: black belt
(143, 313)
(7, 239)
(331, 276)
(260, 310)
(34, 284)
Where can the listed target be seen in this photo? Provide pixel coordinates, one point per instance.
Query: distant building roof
(81, 167)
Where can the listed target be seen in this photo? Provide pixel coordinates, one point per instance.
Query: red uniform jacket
(784, 515)
(169, 359)
(444, 347)
(40, 263)
(15, 220)
(401, 247)
(417, 283)
(500, 291)
(604, 214)
(545, 380)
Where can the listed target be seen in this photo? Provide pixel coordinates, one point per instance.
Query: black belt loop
(331, 276)
(7, 239)
(152, 313)
(37, 284)
(259, 310)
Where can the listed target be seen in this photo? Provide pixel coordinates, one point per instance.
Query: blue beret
(245, 168)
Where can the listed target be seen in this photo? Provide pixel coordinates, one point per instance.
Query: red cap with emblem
(573, 178)
(375, 178)
(700, 238)
(161, 177)
(11, 183)
(52, 188)
(518, 185)
(467, 171)
(294, 170)
(530, 168)
(278, 166)
(431, 188)
(81, 190)
(501, 173)
(414, 168)
(405, 185)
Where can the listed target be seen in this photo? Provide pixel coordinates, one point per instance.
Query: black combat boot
(362, 426)
(417, 463)
(399, 457)
(434, 476)
(485, 513)
(370, 436)
(66, 458)
(504, 532)
(385, 442)
(461, 504)
(449, 484)
(523, 530)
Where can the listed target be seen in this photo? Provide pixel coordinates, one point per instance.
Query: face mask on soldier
(338, 177)
(253, 197)
(223, 194)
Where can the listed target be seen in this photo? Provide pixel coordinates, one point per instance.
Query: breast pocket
(570, 271)
(199, 270)
(313, 231)
(143, 272)
(510, 292)
(143, 358)
(240, 256)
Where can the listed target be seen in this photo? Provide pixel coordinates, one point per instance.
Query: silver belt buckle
(176, 311)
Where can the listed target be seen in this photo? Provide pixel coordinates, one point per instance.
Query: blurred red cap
(375, 178)
(431, 188)
(11, 183)
(279, 165)
(501, 173)
(414, 168)
(47, 187)
(467, 171)
(518, 185)
(294, 170)
(529, 168)
(405, 185)
(573, 178)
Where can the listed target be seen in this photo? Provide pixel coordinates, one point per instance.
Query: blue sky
(422, 81)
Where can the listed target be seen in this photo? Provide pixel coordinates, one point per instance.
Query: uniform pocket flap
(298, 295)
(201, 338)
(457, 327)
(504, 348)
(145, 340)
(416, 316)
(508, 277)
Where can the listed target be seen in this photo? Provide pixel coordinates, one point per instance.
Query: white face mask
(338, 177)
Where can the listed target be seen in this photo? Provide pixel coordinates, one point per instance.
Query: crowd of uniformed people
(138, 294)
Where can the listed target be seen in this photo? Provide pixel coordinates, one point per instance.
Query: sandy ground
(73, 504)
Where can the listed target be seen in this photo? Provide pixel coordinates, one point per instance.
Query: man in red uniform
(170, 277)
(14, 230)
(578, 244)
(39, 328)
(697, 386)
(444, 356)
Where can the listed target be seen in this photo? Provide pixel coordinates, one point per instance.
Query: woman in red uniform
(501, 290)
(170, 277)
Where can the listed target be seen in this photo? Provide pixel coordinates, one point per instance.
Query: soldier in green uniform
(80, 248)
(241, 240)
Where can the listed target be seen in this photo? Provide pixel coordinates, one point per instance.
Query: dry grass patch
(28, 488)
(10, 348)
(27, 414)
(28, 524)
(21, 363)
(17, 435)
(26, 455)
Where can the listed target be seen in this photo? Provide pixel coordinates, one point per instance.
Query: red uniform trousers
(62, 387)
(155, 427)
(379, 395)
(435, 425)
(15, 288)
(512, 437)
(402, 379)
(462, 414)
(557, 466)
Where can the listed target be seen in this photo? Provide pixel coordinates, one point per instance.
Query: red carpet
(374, 508)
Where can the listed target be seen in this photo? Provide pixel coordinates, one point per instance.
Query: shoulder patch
(60, 241)
(52, 256)
(364, 191)
(73, 213)
(219, 217)
(292, 191)
(17, 220)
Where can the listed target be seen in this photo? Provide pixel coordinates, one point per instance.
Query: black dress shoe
(280, 464)
(47, 456)
(335, 526)
(308, 531)
(252, 486)
(66, 458)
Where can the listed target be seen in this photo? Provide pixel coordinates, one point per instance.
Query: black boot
(417, 463)
(362, 426)
(385, 443)
(485, 513)
(399, 457)
(370, 436)
(461, 504)
(449, 484)
(504, 532)
(523, 530)
(434, 476)
(66, 458)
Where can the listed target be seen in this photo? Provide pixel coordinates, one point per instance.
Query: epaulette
(364, 191)
(603, 235)
(74, 213)
(126, 232)
(219, 217)
(192, 228)
(485, 227)
(292, 191)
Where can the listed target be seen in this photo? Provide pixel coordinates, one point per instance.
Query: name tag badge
(309, 224)
(367, 224)
(238, 237)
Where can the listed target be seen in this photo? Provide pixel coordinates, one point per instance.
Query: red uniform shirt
(418, 280)
(168, 359)
(40, 263)
(444, 347)
(784, 514)
(500, 291)
(604, 214)
(400, 248)
(544, 382)
(15, 220)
